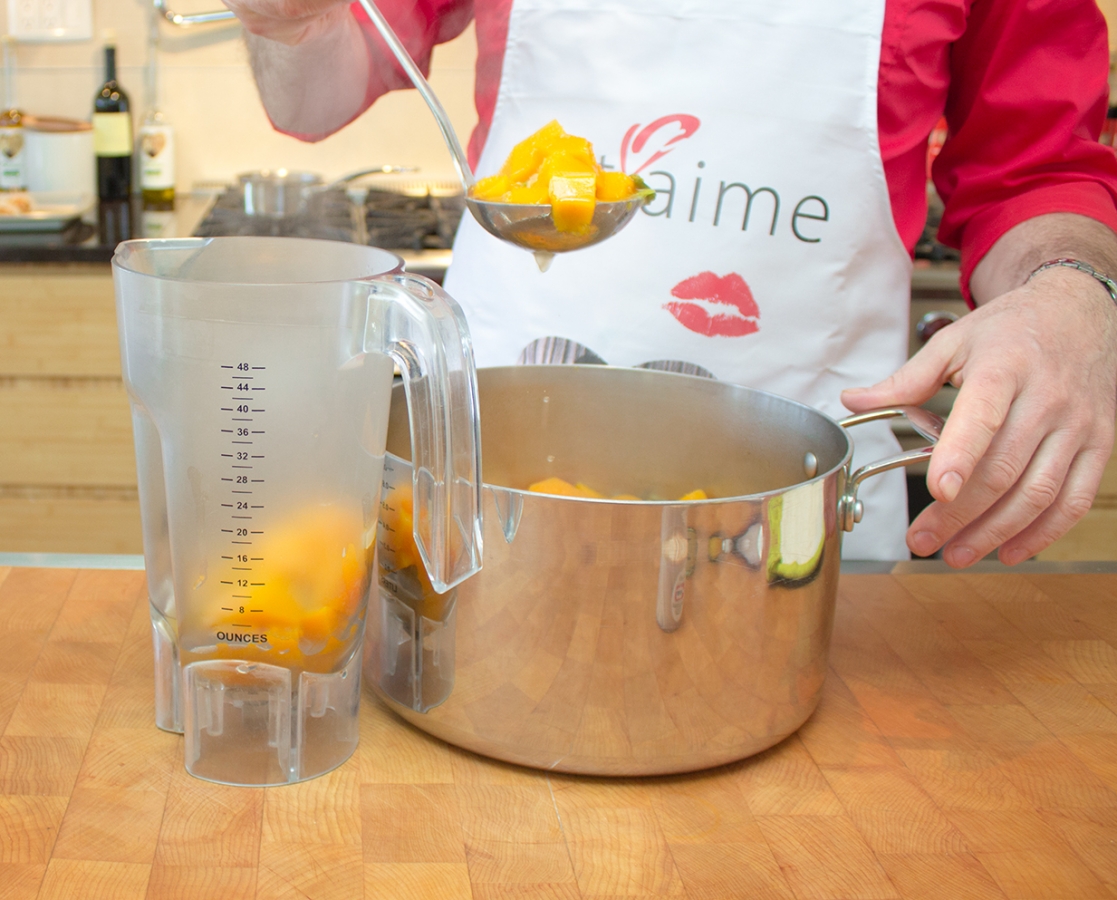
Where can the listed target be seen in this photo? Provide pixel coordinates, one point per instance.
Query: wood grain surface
(965, 747)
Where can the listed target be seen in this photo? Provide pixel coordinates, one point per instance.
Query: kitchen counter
(87, 242)
(965, 747)
(93, 238)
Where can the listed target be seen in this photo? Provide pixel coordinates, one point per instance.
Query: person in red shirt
(1023, 88)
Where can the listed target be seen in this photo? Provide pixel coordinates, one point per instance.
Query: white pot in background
(58, 155)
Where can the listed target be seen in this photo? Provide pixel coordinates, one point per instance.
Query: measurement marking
(226, 430)
(226, 609)
(240, 624)
(243, 442)
(255, 610)
(256, 558)
(257, 410)
(226, 387)
(241, 568)
(240, 517)
(240, 467)
(240, 542)
(230, 505)
(255, 532)
(258, 368)
(226, 409)
(226, 479)
(256, 481)
(227, 367)
(261, 506)
(227, 582)
(226, 557)
(242, 398)
(240, 492)
(257, 432)
(227, 530)
(240, 419)
(256, 389)
(229, 455)
(256, 584)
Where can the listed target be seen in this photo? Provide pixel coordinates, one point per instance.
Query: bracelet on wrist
(1104, 280)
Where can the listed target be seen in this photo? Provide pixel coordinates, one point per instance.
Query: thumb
(913, 384)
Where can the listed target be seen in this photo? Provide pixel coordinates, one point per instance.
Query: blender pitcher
(259, 372)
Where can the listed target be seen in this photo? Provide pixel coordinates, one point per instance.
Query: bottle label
(11, 160)
(157, 157)
(112, 134)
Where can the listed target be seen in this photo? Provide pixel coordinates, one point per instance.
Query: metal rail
(184, 21)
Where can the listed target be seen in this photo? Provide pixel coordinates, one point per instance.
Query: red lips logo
(704, 317)
(648, 143)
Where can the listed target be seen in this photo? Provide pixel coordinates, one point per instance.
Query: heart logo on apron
(646, 144)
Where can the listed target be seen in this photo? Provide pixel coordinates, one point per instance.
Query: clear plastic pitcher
(260, 373)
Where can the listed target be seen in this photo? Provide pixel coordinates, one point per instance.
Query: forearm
(314, 87)
(1019, 251)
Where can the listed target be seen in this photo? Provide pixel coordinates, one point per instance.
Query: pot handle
(926, 424)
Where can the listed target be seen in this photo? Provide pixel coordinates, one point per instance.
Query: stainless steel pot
(283, 192)
(618, 637)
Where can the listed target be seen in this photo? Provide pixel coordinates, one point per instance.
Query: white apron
(769, 257)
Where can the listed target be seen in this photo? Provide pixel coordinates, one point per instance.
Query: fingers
(1073, 502)
(916, 382)
(977, 416)
(1053, 491)
(1014, 482)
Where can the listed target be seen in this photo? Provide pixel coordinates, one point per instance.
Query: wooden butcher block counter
(965, 748)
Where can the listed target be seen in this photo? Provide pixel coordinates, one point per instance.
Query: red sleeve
(1027, 102)
(420, 25)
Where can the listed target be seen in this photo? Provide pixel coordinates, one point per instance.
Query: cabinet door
(67, 469)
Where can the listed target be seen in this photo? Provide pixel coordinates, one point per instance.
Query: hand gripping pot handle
(423, 329)
(926, 424)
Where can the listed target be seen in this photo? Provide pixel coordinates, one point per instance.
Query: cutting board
(965, 748)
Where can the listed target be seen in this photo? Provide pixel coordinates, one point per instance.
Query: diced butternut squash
(555, 485)
(492, 188)
(613, 186)
(563, 488)
(559, 169)
(695, 495)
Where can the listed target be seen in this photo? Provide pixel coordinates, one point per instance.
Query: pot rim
(844, 463)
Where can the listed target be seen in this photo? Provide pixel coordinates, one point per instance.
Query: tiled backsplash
(209, 97)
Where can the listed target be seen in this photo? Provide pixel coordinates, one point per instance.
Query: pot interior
(656, 435)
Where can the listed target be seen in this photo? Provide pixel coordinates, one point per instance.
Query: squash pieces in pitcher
(556, 168)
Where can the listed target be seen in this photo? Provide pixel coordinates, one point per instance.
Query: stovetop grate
(386, 219)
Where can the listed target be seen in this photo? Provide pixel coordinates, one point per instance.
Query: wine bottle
(12, 175)
(112, 135)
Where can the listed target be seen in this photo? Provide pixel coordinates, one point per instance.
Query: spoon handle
(417, 79)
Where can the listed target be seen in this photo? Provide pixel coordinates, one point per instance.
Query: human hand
(289, 22)
(1022, 454)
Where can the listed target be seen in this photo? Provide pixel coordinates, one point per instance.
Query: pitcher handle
(926, 424)
(423, 329)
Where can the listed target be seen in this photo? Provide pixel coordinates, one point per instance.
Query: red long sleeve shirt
(1022, 85)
